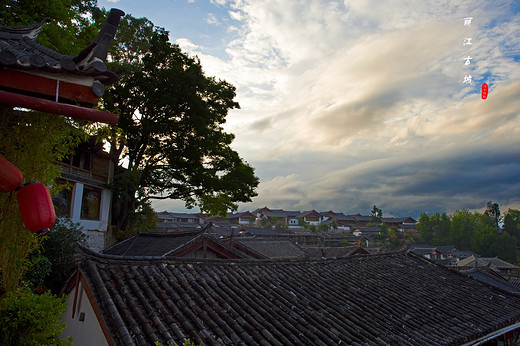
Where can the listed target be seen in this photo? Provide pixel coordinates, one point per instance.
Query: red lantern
(10, 176)
(36, 208)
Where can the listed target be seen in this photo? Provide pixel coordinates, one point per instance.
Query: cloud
(346, 104)
(212, 19)
(219, 2)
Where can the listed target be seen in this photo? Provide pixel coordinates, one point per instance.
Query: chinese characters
(468, 79)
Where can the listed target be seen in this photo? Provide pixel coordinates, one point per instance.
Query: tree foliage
(493, 211)
(376, 215)
(512, 223)
(69, 29)
(171, 117)
(30, 319)
(59, 247)
(473, 231)
(323, 227)
(33, 142)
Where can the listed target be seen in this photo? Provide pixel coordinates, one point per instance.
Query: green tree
(443, 228)
(69, 29)
(376, 214)
(30, 319)
(425, 228)
(334, 225)
(171, 134)
(506, 248)
(493, 211)
(280, 226)
(302, 223)
(383, 227)
(392, 236)
(323, 227)
(33, 142)
(264, 222)
(60, 247)
(484, 241)
(463, 228)
(512, 223)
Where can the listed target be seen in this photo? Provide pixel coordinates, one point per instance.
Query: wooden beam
(33, 83)
(42, 105)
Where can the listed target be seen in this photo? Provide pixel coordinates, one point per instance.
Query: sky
(354, 103)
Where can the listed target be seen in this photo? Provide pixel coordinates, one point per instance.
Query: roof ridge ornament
(18, 32)
(97, 51)
(36, 77)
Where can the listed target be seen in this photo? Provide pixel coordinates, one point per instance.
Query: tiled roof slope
(271, 248)
(492, 262)
(19, 49)
(152, 243)
(376, 299)
(333, 252)
(492, 278)
(171, 244)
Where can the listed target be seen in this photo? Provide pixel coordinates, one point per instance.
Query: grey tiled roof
(272, 248)
(374, 299)
(490, 277)
(166, 244)
(492, 262)
(333, 252)
(152, 243)
(268, 231)
(19, 49)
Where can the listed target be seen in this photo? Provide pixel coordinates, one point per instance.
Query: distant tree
(312, 228)
(434, 229)
(392, 236)
(506, 248)
(493, 211)
(425, 228)
(383, 227)
(334, 225)
(484, 241)
(442, 228)
(512, 223)
(323, 227)
(381, 237)
(264, 222)
(487, 242)
(302, 223)
(463, 228)
(377, 215)
(280, 226)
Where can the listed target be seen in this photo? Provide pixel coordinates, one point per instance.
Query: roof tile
(380, 299)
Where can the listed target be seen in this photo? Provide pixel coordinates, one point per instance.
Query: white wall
(87, 332)
(95, 229)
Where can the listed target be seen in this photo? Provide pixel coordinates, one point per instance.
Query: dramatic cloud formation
(349, 104)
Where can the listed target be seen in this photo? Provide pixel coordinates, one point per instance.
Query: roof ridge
(30, 31)
(89, 254)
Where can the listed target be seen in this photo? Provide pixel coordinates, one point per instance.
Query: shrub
(30, 319)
